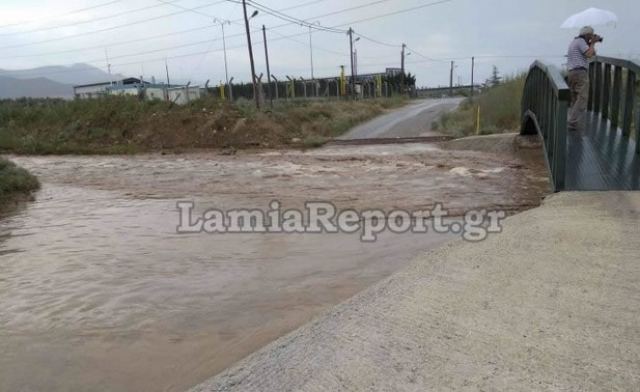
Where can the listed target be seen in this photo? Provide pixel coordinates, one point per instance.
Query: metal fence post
(592, 85)
(597, 98)
(561, 145)
(615, 100)
(629, 102)
(606, 91)
(638, 133)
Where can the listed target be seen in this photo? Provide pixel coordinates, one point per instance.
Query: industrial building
(177, 94)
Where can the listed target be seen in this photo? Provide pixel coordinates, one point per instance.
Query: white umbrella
(591, 17)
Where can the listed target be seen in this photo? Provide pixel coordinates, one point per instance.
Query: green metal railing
(545, 104)
(613, 94)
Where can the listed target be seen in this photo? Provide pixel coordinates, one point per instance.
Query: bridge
(606, 154)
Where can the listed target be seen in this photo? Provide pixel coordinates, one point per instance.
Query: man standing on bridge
(582, 48)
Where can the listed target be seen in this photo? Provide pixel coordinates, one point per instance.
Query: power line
(65, 14)
(120, 43)
(372, 18)
(288, 8)
(194, 9)
(98, 19)
(276, 39)
(304, 22)
(207, 41)
(332, 13)
(130, 41)
(329, 50)
(375, 41)
(293, 20)
(167, 34)
(425, 57)
(110, 28)
(395, 13)
(282, 37)
(172, 3)
(314, 46)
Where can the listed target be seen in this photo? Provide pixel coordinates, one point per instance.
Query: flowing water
(99, 293)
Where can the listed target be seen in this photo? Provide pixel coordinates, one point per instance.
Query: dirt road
(410, 121)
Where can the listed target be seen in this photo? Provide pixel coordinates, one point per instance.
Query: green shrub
(15, 180)
(500, 108)
(314, 141)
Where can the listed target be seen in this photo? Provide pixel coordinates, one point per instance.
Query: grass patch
(314, 141)
(15, 182)
(123, 125)
(500, 108)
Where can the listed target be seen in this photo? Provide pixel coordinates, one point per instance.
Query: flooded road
(98, 292)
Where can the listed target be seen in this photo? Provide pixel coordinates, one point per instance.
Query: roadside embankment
(113, 125)
(16, 184)
(552, 303)
(499, 108)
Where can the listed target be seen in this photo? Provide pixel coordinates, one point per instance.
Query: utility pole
(224, 47)
(166, 67)
(311, 51)
(473, 68)
(276, 89)
(266, 55)
(353, 81)
(451, 79)
(106, 55)
(355, 61)
(343, 84)
(402, 81)
(253, 66)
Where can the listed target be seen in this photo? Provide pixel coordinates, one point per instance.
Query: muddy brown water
(99, 293)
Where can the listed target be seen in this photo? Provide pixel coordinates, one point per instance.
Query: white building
(180, 95)
(95, 90)
(88, 91)
(155, 91)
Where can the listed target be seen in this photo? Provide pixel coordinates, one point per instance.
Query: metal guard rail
(545, 104)
(606, 95)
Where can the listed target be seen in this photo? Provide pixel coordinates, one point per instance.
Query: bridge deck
(600, 159)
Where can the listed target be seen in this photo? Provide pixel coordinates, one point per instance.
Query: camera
(597, 38)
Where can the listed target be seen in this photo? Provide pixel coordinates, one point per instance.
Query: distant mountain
(33, 88)
(71, 75)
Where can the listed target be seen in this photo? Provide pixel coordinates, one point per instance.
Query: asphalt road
(411, 121)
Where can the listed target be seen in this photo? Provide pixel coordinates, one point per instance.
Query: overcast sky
(507, 33)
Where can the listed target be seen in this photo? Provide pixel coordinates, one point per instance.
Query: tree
(495, 78)
(410, 80)
(395, 81)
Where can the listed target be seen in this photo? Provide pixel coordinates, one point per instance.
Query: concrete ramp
(552, 303)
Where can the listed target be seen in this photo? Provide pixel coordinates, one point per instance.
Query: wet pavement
(98, 292)
(413, 120)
